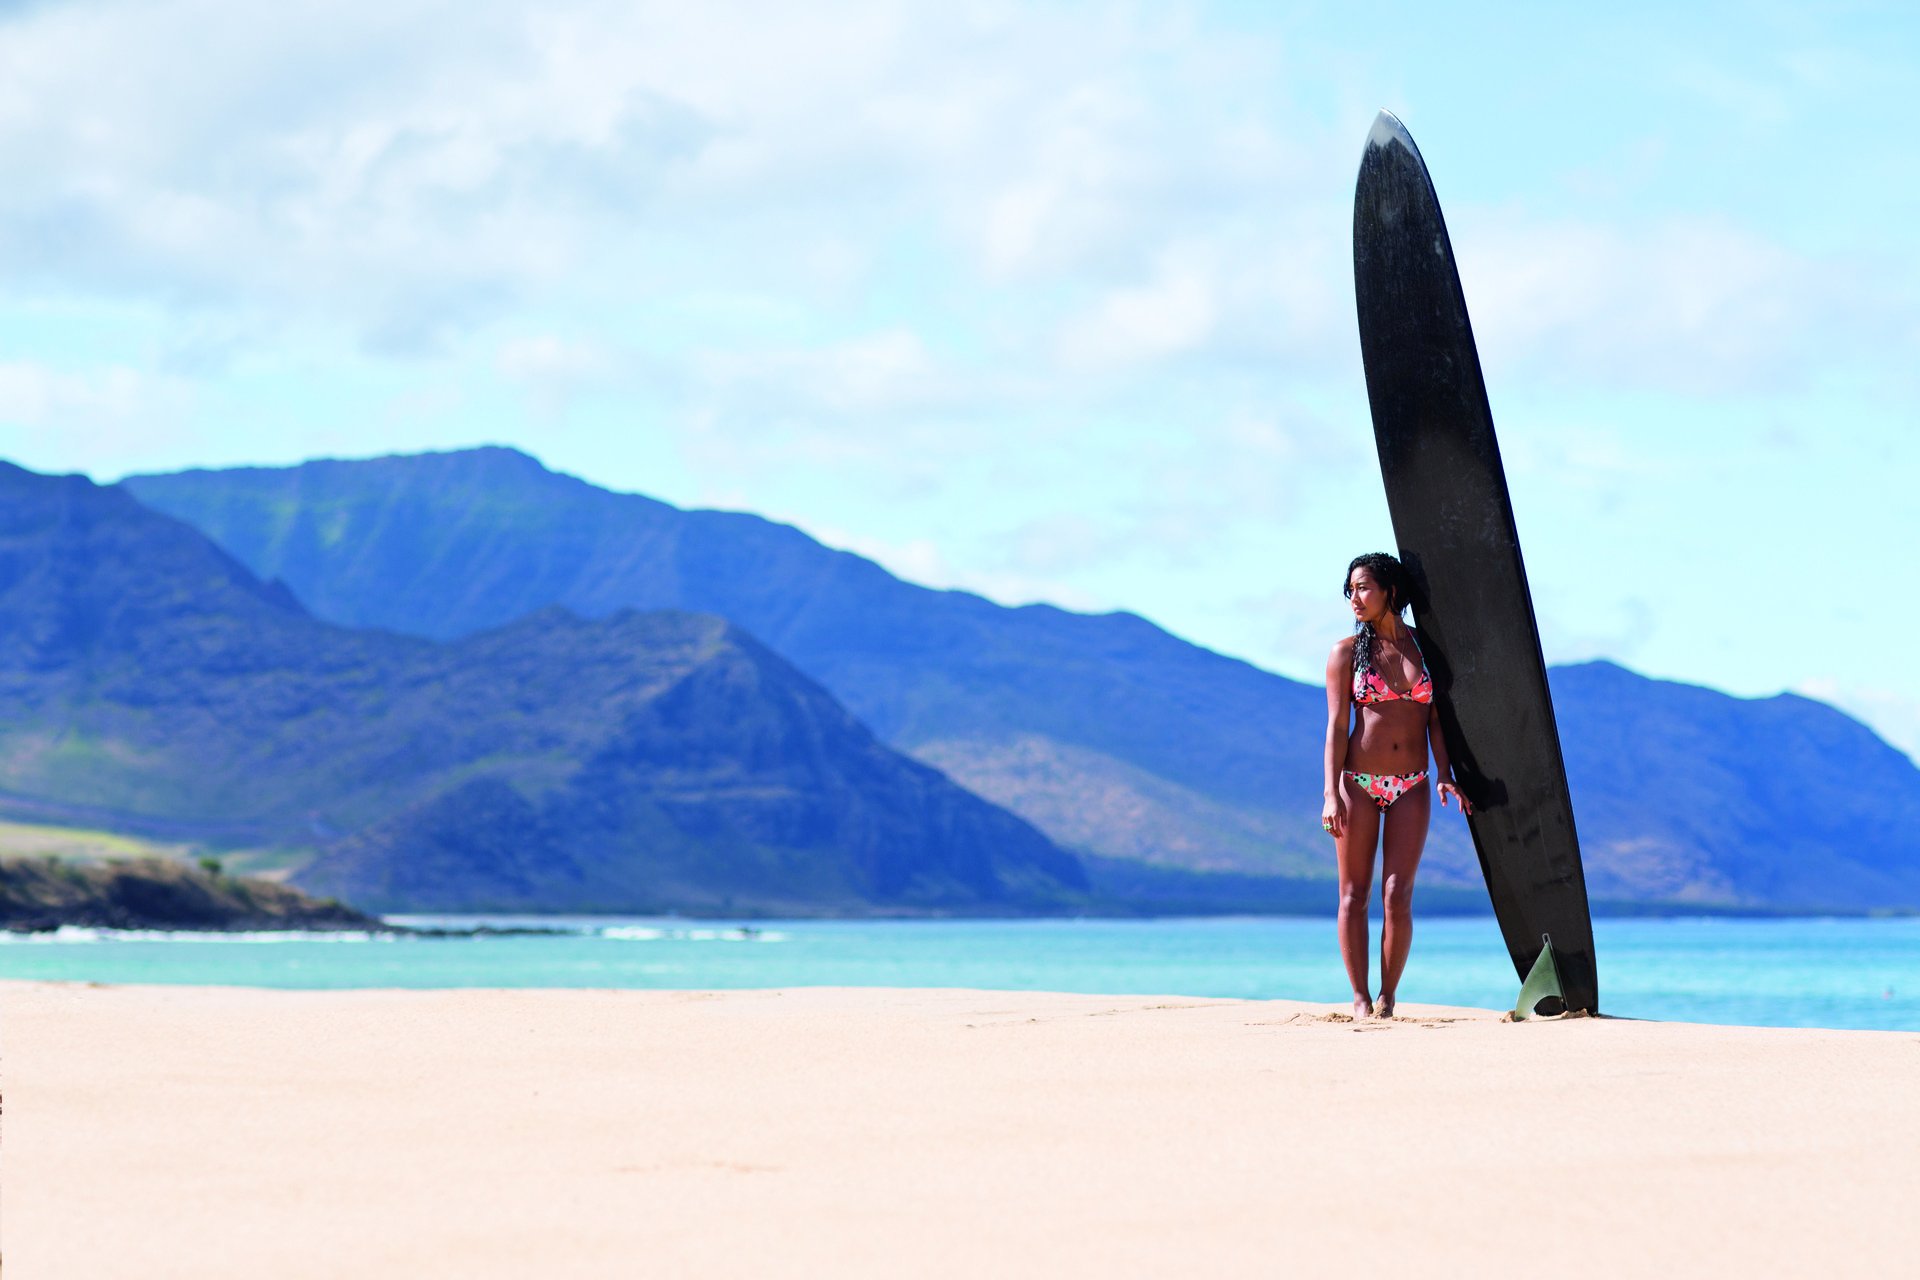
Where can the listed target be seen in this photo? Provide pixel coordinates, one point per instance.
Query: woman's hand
(1333, 815)
(1448, 789)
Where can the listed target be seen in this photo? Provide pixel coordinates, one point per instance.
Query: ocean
(1841, 973)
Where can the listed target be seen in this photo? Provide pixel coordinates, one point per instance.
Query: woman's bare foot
(1363, 1006)
(1385, 1008)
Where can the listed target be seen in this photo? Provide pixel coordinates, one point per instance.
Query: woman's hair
(1393, 579)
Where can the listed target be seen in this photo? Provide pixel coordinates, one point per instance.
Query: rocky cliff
(155, 893)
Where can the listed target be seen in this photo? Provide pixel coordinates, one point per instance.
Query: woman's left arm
(1442, 766)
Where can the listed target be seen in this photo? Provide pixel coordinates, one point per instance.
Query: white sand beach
(200, 1132)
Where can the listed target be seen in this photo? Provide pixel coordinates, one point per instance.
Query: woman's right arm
(1333, 806)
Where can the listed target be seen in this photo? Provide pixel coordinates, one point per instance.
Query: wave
(611, 928)
(650, 933)
(69, 933)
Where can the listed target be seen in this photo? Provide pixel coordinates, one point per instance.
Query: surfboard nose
(1387, 130)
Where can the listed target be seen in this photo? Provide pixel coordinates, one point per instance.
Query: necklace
(1399, 658)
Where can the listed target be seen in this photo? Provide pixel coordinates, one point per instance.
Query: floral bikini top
(1369, 686)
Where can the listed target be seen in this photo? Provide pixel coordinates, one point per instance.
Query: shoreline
(573, 922)
(213, 1131)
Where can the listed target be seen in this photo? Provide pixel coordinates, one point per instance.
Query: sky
(1051, 302)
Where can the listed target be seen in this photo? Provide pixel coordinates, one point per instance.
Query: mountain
(727, 782)
(150, 683)
(1107, 732)
(1114, 737)
(1685, 794)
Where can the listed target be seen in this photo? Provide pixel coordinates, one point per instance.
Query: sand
(202, 1132)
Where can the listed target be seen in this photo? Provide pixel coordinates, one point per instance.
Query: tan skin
(1385, 737)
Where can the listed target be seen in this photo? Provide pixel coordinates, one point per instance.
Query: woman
(1381, 721)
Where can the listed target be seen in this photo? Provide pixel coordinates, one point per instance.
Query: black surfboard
(1454, 523)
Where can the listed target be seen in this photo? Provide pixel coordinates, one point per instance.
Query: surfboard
(1453, 519)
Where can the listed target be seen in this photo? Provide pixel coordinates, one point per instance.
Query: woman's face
(1369, 600)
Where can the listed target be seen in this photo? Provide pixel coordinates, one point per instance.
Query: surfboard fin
(1543, 983)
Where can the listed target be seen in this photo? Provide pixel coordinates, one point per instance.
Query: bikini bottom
(1385, 788)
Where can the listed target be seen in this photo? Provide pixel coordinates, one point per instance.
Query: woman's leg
(1405, 836)
(1356, 886)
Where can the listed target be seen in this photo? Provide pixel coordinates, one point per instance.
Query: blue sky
(1051, 302)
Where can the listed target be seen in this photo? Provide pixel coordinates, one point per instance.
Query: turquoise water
(1811, 972)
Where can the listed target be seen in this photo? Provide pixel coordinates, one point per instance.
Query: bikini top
(1369, 686)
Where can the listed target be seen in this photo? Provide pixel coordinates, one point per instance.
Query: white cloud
(545, 356)
(861, 400)
(401, 166)
(920, 560)
(1056, 545)
(33, 395)
(553, 369)
(58, 419)
(1694, 305)
(1173, 312)
(886, 371)
(1616, 632)
(411, 169)
(1289, 630)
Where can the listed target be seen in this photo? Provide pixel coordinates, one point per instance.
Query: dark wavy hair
(1393, 579)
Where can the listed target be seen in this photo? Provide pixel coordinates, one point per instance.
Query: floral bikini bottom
(1385, 788)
